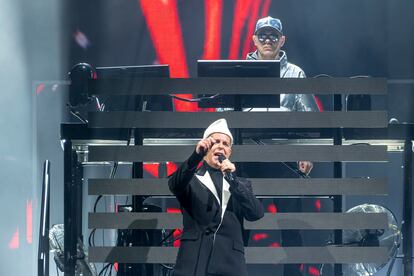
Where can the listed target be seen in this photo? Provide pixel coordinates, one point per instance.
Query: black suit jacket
(212, 239)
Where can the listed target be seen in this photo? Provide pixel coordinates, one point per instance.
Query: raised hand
(204, 145)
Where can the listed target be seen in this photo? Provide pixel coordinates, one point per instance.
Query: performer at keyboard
(269, 39)
(214, 203)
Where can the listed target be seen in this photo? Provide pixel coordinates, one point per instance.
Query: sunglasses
(272, 37)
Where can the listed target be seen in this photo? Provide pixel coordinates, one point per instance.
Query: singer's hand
(204, 145)
(227, 166)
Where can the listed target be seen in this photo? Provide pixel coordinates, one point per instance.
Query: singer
(214, 203)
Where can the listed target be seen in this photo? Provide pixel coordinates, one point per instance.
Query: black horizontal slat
(261, 186)
(254, 255)
(325, 221)
(309, 221)
(159, 86)
(319, 186)
(243, 153)
(289, 255)
(156, 187)
(245, 120)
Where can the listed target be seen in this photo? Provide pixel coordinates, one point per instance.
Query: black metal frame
(73, 173)
(73, 186)
(43, 249)
(338, 200)
(407, 227)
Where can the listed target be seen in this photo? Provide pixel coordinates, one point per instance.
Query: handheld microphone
(221, 158)
(228, 175)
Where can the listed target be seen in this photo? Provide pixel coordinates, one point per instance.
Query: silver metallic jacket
(291, 102)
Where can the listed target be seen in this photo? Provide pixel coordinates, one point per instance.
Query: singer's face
(222, 145)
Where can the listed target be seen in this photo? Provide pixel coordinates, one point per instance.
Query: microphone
(228, 175)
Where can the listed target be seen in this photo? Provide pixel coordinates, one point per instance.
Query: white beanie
(219, 126)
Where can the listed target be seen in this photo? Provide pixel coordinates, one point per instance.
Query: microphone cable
(294, 170)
